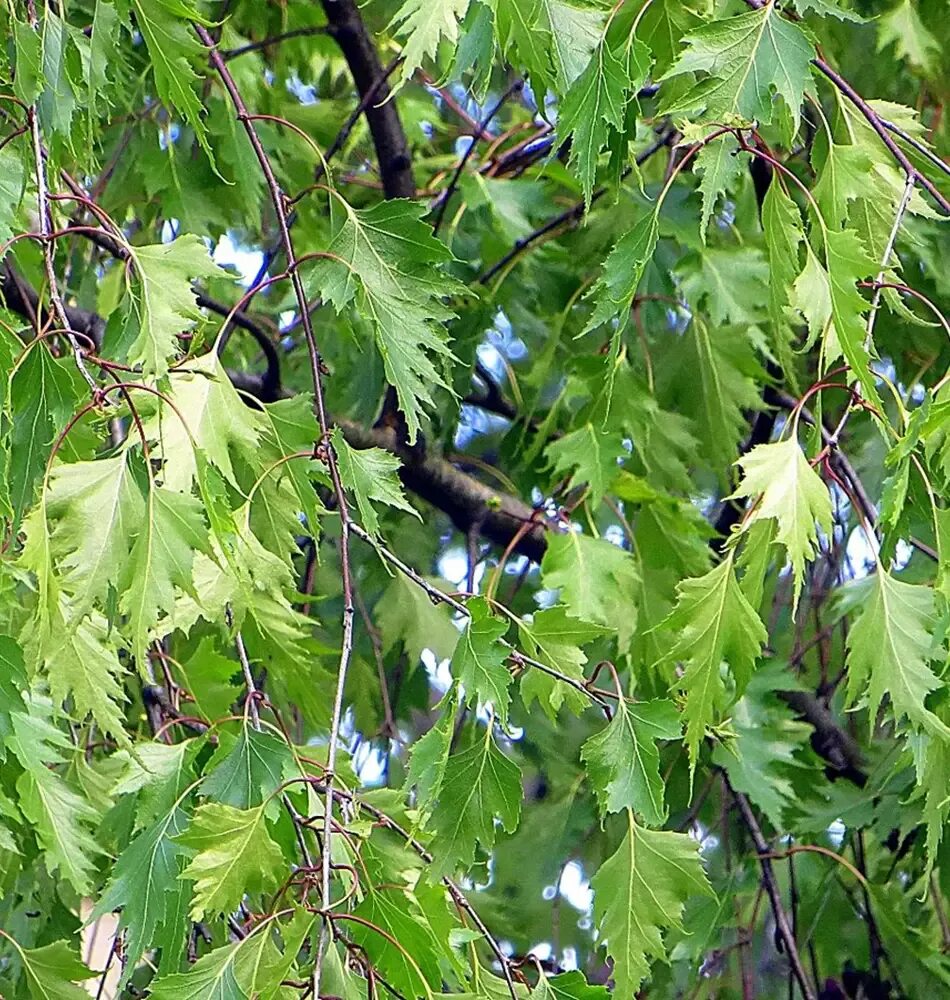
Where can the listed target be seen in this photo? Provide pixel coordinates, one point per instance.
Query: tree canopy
(474, 499)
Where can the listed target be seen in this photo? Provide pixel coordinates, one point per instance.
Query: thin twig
(314, 29)
(874, 120)
(245, 669)
(446, 195)
(885, 257)
(918, 145)
(454, 890)
(46, 229)
(438, 597)
(570, 215)
(365, 101)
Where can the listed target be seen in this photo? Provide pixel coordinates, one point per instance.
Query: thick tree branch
(389, 138)
(21, 298)
(468, 502)
(828, 740)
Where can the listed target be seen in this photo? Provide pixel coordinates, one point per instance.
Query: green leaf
(639, 892)
(663, 25)
(598, 580)
(526, 41)
(847, 263)
(43, 394)
(613, 294)
(595, 106)
(747, 59)
(233, 855)
(731, 283)
(889, 650)
(82, 662)
(782, 225)
(555, 639)
(251, 967)
(371, 474)
(145, 885)
(479, 661)
(481, 787)
(430, 752)
(384, 261)
(717, 385)
(166, 28)
(713, 622)
(828, 8)
(912, 39)
(844, 176)
(209, 679)
(250, 771)
(12, 178)
(567, 986)
(623, 760)
(789, 491)
(162, 301)
(57, 101)
(28, 81)
(216, 421)
(404, 948)
(719, 167)
(52, 971)
(95, 509)
(761, 760)
(588, 455)
(406, 614)
(157, 774)
(62, 821)
(172, 530)
(13, 682)
(424, 24)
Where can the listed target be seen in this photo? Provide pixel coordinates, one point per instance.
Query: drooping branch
(874, 120)
(280, 209)
(772, 890)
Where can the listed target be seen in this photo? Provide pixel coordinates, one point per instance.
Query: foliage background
(474, 498)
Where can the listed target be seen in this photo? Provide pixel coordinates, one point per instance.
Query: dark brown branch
(493, 399)
(832, 743)
(270, 380)
(468, 502)
(389, 139)
(316, 29)
(771, 887)
(20, 298)
(568, 217)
